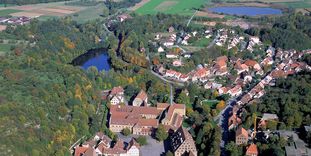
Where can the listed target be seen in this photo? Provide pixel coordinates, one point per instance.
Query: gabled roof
(116, 90)
(181, 136)
(251, 63)
(251, 150)
(80, 150)
(132, 143)
(142, 95)
(241, 131)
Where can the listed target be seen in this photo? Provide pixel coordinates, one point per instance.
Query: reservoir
(248, 11)
(98, 58)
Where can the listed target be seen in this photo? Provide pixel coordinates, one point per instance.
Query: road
(191, 18)
(213, 42)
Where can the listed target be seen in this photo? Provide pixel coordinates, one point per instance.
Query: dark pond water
(98, 58)
(249, 11)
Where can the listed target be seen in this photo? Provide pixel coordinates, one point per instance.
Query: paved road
(213, 42)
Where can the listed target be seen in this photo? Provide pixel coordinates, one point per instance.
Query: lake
(249, 11)
(98, 58)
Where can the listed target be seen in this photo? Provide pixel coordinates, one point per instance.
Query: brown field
(165, 5)
(209, 14)
(27, 14)
(2, 27)
(140, 4)
(62, 11)
(48, 9)
(211, 24)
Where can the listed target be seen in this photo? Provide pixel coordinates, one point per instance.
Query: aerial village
(244, 80)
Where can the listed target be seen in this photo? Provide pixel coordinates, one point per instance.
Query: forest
(288, 32)
(289, 99)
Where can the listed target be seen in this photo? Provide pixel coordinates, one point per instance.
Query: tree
(161, 133)
(142, 140)
(169, 153)
(183, 98)
(221, 105)
(126, 131)
(233, 149)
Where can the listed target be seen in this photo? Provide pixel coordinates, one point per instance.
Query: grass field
(6, 12)
(45, 18)
(211, 103)
(2, 5)
(90, 13)
(202, 42)
(297, 5)
(184, 7)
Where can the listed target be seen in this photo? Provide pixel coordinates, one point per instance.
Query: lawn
(203, 42)
(211, 103)
(184, 7)
(6, 12)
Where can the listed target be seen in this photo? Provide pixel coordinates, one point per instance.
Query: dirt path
(138, 5)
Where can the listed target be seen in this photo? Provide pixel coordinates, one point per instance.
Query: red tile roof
(251, 63)
(252, 150)
(116, 90)
(241, 131)
(142, 95)
(80, 150)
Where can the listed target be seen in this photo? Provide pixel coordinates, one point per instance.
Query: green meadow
(184, 7)
(6, 12)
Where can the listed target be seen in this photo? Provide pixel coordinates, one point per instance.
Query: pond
(249, 11)
(98, 58)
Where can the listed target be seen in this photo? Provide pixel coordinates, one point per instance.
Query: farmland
(7, 12)
(45, 11)
(184, 7)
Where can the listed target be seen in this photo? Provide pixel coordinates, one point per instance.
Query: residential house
(84, 151)
(184, 77)
(200, 73)
(253, 64)
(222, 90)
(267, 61)
(160, 49)
(116, 95)
(234, 121)
(266, 117)
(252, 150)
(173, 115)
(171, 29)
(124, 17)
(171, 55)
(235, 91)
(119, 148)
(177, 63)
(241, 136)
(182, 143)
(141, 99)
